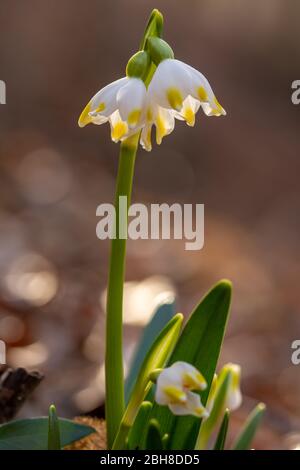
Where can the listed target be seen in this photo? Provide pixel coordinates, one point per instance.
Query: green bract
(159, 50)
(139, 65)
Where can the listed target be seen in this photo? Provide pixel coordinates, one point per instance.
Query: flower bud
(138, 65)
(159, 50)
(234, 397)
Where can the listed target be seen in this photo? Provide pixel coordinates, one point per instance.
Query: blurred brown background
(245, 168)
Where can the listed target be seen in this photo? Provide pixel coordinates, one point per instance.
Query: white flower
(233, 398)
(174, 389)
(122, 103)
(176, 90)
(234, 395)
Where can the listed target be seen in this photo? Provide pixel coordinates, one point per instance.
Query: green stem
(114, 402)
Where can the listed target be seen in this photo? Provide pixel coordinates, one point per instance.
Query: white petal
(170, 375)
(179, 410)
(108, 96)
(102, 105)
(146, 137)
(170, 394)
(201, 90)
(131, 100)
(188, 111)
(193, 406)
(191, 378)
(180, 377)
(119, 128)
(234, 400)
(164, 120)
(170, 84)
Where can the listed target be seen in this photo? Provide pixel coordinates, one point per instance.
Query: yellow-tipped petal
(100, 108)
(176, 395)
(148, 143)
(175, 98)
(201, 412)
(149, 115)
(146, 138)
(161, 129)
(189, 116)
(218, 110)
(119, 130)
(134, 117)
(84, 117)
(202, 94)
(194, 381)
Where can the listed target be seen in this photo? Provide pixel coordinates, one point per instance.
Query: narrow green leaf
(153, 437)
(199, 345)
(137, 431)
(160, 318)
(222, 434)
(53, 430)
(32, 434)
(243, 441)
(207, 426)
(156, 358)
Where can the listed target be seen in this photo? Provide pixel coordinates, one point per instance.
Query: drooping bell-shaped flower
(122, 103)
(174, 389)
(176, 90)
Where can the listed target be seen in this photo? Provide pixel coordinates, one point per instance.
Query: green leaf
(199, 345)
(222, 434)
(160, 318)
(53, 430)
(207, 426)
(137, 431)
(156, 358)
(153, 437)
(243, 441)
(32, 434)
